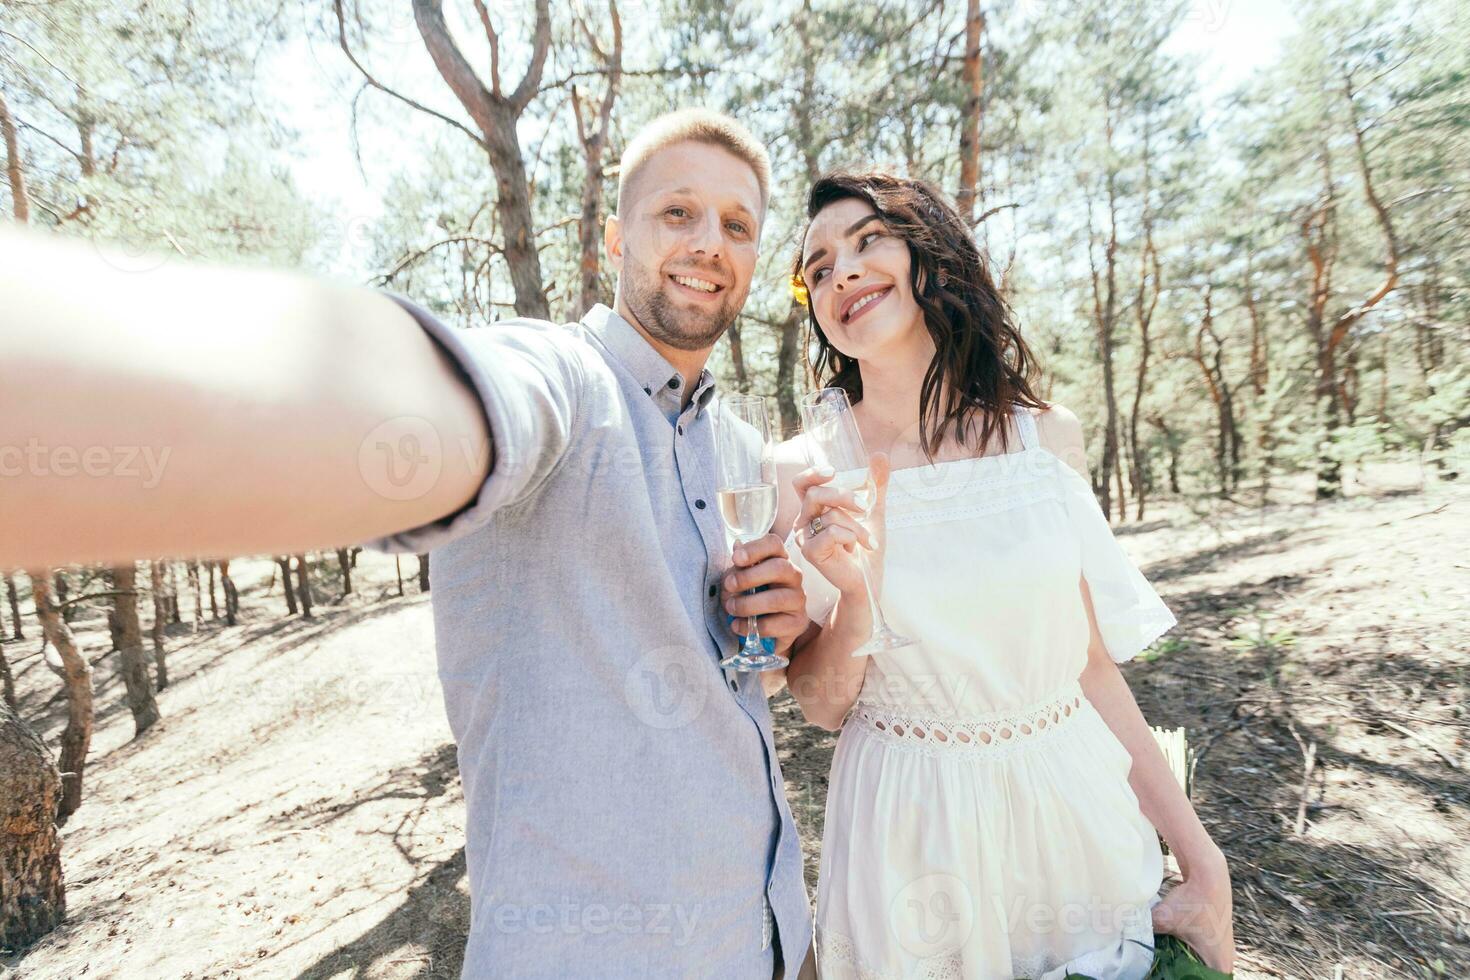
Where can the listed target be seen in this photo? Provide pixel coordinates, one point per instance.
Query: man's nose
(707, 238)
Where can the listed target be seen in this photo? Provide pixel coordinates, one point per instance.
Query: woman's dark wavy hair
(980, 358)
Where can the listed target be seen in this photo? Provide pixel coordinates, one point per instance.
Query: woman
(995, 790)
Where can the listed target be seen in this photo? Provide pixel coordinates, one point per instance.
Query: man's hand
(780, 609)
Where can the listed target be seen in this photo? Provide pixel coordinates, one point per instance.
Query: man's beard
(649, 302)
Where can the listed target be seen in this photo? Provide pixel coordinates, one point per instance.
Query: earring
(943, 279)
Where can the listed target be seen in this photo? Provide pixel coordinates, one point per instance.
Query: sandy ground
(297, 812)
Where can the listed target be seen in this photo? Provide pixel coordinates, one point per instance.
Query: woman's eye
(819, 275)
(863, 241)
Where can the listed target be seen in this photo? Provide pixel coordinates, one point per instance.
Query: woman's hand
(844, 526)
(1199, 911)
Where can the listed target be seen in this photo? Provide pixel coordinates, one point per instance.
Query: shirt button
(734, 685)
(699, 504)
(714, 590)
(681, 430)
(647, 390)
(673, 382)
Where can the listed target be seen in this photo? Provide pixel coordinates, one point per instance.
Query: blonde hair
(695, 126)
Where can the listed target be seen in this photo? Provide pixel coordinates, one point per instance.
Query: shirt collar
(658, 378)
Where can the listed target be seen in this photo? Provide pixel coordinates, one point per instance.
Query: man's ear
(612, 241)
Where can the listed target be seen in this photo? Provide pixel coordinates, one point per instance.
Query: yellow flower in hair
(798, 289)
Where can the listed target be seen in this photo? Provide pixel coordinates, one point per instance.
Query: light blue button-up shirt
(626, 812)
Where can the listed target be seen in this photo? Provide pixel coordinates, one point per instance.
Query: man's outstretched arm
(201, 410)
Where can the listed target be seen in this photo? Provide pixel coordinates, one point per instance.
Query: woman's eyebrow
(850, 229)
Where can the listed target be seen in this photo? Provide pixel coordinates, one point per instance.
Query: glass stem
(753, 638)
(880, 625)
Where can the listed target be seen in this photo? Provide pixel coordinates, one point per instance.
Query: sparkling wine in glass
(745, 488)
(832, 440)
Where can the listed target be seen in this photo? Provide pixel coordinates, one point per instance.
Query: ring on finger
(816, 525)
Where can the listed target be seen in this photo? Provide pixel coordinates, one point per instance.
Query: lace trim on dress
(985, 736)
(835, 949)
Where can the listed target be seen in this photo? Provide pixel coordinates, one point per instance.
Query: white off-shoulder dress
(979, 820)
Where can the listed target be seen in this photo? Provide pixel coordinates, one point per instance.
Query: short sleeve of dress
(1130, 614)
(821, 595)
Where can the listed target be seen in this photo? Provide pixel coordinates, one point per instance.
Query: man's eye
(736, 227)
(677, 212)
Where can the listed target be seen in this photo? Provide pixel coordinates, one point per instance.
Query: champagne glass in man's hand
(832, 441)
(745, 484)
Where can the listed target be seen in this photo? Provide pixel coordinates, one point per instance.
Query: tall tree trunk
(198, 594)
(232, 594)
(213, 605)
(1146, 303)
(7, 680)
(1264, 408)
(32, 890)
(303, 585)
(77, 678)
(973, 76)
(424, 572)
(13, 597)
(737, 357)
(593, 136)
(173, 593)
(284, 563)
(160, 617)
(63, 595)
(133, 663)
(787, 357)
(20, 200)
(345, 564)
(1105, 302)
(398, 569)
(495, 116)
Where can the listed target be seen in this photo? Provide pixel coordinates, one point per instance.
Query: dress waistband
(975, 735)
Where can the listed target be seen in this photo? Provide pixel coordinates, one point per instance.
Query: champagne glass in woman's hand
(745, 485)
(832, 441)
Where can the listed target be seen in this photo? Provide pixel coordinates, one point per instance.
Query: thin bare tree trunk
(63, 595)
(213, 605)
(7, 680)
(345, 564)
(973, 75)
(303, 585)
(284, 563)
(20, 199)
(160, 617)
(77, 678)
(495, 116)
(424, 572)
(232, 594)
(133, 664)
(173, 593)
(594, 144)
(198, 594)
(13, 597)
(32, 890)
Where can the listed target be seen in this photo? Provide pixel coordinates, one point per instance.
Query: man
(626, 815)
